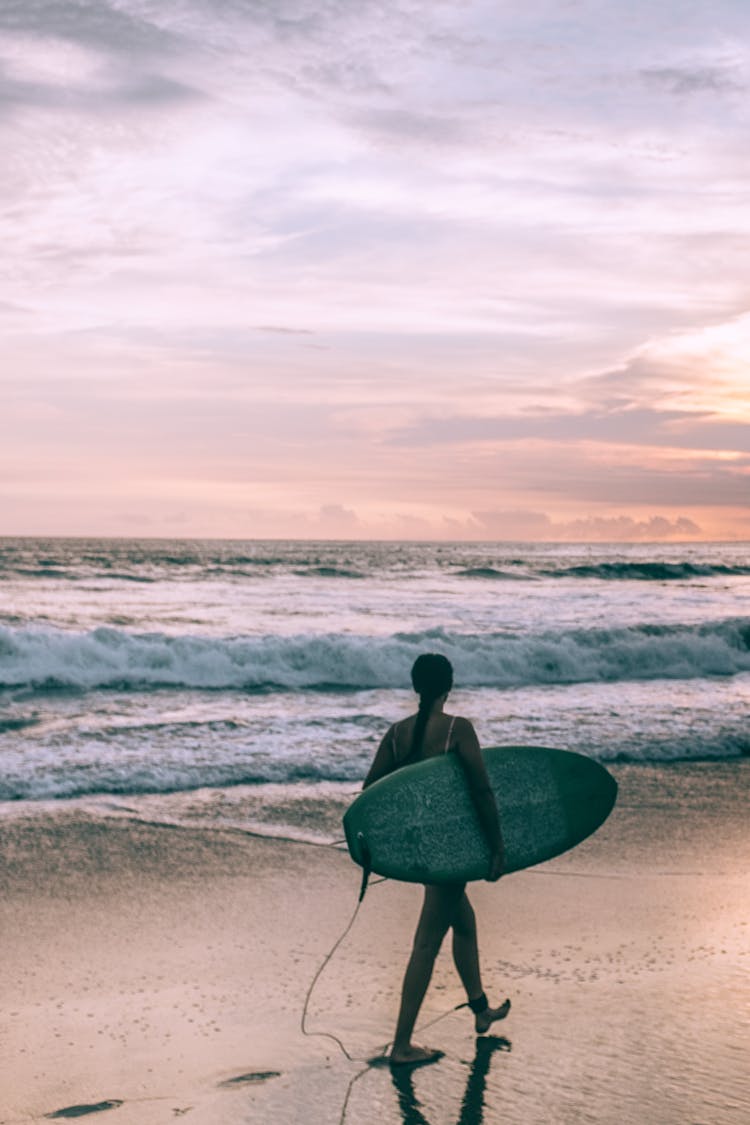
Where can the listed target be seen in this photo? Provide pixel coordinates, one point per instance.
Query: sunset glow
(375, 270)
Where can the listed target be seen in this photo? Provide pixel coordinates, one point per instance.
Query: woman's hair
(431, 676)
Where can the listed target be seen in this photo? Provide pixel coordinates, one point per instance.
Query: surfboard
(419, 823)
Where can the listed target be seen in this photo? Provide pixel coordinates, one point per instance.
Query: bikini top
(446, 748)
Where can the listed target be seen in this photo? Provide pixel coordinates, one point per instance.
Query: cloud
(618, 424)
(397, 126)
(11, 309)
(95, 23)
(329, 521)
(151, 89)
(96, 96)
(336, 519)
(515, 524)
(538, 525)
(695, 79)
(707, 484)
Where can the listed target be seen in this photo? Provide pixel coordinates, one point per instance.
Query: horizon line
(673, 541)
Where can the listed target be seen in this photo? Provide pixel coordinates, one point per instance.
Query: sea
(247, 684)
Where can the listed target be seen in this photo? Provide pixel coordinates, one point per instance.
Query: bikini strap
(450, 734)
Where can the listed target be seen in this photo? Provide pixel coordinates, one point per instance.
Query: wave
(488, 572)
(49, 571)
(112, 658)
(330, 572)
(196, 561)
(117, 780)
(21, 722)
(72, 576)
(118, 768)
(649, 571)
(154, 568)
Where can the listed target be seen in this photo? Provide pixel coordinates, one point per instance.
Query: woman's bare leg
(465, 950)
(466, 959)
(437, 916)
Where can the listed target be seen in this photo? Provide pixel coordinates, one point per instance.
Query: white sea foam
(145, 667)
(107, 657)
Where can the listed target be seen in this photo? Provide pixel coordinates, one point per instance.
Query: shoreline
(166, 967)
(705, 791)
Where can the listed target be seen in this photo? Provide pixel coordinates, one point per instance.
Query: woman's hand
(497, 866)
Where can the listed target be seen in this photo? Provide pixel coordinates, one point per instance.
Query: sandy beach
(156, 972)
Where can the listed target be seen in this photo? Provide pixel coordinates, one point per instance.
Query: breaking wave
(112, 658)
(488, 572)
(649, 571)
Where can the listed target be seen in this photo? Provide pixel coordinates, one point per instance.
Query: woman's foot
(484, 1020)
(414, 1056)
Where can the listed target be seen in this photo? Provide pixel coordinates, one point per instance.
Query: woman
(425, 735)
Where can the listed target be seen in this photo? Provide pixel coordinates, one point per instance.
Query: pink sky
(401, 269)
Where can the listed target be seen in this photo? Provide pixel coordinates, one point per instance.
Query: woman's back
(438, 738)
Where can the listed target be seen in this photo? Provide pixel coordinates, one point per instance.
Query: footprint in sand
(254, 1076)
(82, 1110)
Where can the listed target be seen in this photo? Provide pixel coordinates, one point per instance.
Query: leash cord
(314, 981)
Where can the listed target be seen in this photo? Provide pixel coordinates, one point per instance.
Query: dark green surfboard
(419, 823)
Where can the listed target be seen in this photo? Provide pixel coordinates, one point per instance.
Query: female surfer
(446, 906)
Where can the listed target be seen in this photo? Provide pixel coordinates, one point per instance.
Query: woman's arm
(384, 761)
(480, 789)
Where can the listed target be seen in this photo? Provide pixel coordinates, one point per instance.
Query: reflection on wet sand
(472, 1106)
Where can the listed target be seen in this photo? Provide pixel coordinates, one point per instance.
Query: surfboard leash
(366, 864)
(314, 981)
(366, 872)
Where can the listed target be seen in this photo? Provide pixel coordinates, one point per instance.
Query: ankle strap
(479, 1004)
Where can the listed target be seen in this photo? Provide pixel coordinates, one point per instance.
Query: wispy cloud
(397, 259)
(678, 429)
(538, 525)
(696, 79)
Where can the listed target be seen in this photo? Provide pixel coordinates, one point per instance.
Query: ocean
(247, 683)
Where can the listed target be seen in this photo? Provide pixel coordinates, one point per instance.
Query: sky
(353, 269)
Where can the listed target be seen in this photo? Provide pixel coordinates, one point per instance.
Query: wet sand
(157, 972)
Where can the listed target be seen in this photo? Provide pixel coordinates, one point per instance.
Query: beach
(182, 726)
(165, 967)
